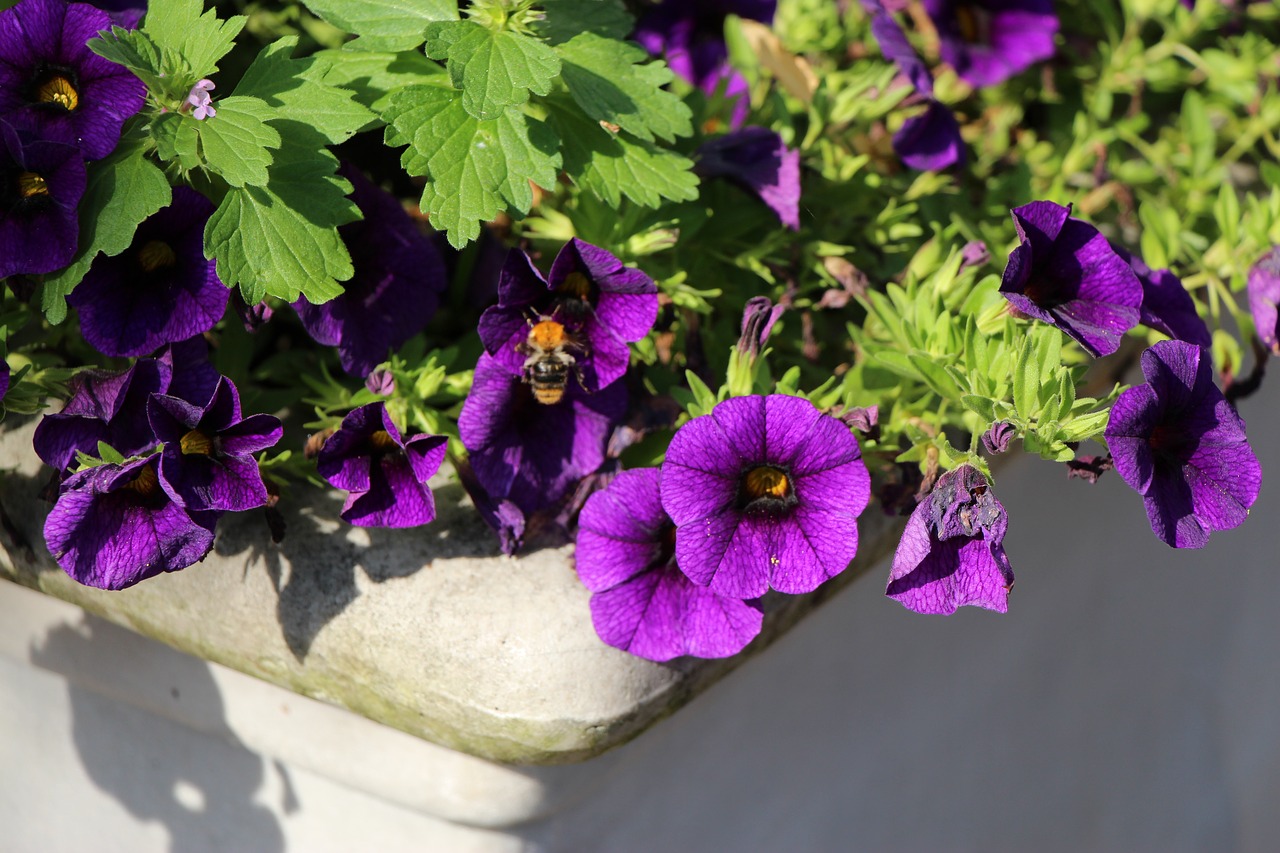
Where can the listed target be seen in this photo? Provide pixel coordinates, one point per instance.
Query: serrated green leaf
(296, 90)
(122, 190)
(613, 165)
(176, 140)
(607, 79)
(395, 25)
(134, 51)
(236, 142)
(179, 28)
(371, 77)
(495, 69)
(568, 18)
(475, 169)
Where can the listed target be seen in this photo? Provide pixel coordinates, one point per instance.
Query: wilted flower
(1089, 468)
(952, 552)
(758, 318)
(41, 183)
(997, 439)
(642, 602)
(1180, 444)
(989, 41)
(1264, 297)
(757, 159)
(1166, 305)
(765, 493)
(1065, 273)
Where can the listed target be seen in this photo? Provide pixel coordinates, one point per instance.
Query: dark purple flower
(689, 34)
(113, 526)
(528, 453)
(1065, 273)
(952, 552)
(758, 318)
(642, 603)
(600, 303)
(1089, 468)
(765, 493)
(385, 474)
(41, 183)
(997, 439)
(193, 377)
(757, 159)
(1264, 297)
(4, 377)
(1166, 305)
(395, 291)
(208, 463)
(50, 77)
(864, 419)
(1181, 445)
(505, 518)
(124, 13)
(989, 41)
(160, 290)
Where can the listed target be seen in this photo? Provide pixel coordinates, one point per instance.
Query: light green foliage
(235, 144)
(611, 85)
(189, 40)
(387, 25)
(566, 19)
(495, 69)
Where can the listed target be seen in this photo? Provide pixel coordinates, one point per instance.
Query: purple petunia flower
(41, 183)
(385, 474)
(49, 76)
(1166, 305)
(528, 453)
(989, 41)
(757, 159)
(1180, 444)
(952, 552)
(1264, 297)
(160, 290)
(395, 291)
(208, 463)
(113, 526)
(765, 493)
(642, 603)
(601, 304)
(758, 318)
(689, 34)
(1065, 273)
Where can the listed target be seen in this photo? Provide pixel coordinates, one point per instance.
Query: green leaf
(495, 69)
(179, 28)
(475, 169)
(122, 191)
(394, 24)
(371, 77)
(235, 143)
(985, 407)
(134, 51)
(1085, 426)
(613, 165)
(1026, 380)
(704, 398)
(177, 141)
(568, 18)
(297, 90)
(608, 81)
(282, 239)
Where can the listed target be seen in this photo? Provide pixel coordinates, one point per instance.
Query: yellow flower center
(196, 443)
(155, 255)
(766, 482)
(382, 442)
(145, 483)
(31, 185)
(576, 285)
(58, 90)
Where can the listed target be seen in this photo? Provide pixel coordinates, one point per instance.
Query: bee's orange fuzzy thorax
(548, 334)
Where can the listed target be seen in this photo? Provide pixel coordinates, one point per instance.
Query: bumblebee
(549, 355)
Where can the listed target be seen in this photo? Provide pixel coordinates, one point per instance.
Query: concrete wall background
(1129, 701)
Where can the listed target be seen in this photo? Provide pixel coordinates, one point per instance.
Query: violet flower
(160, 290)
(989, 41)
(199, 101)
(997, 439)
(50, 77)
(528, 453)
(1179, 443)
(385, 474)
(208, 463)
(395, 290)
(952, 552)
(1065, 273)
(41, 183)
(758, 317)
(1167, 307)
(642, 603)
(5, 374)
(1264, 297)
(759, 161)
(113, 526)
(765, 493)
(600, 303)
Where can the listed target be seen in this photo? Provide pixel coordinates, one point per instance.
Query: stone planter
(430, 631)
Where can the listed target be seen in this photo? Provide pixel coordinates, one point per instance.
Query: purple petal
(757, 159)
(930, 141)
(396, 498)
(1264, 296)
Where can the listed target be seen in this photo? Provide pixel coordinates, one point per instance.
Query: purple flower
(974, 254)
(199, 101)
(1264, 296)
(690, 35)
(1066, 274)
(997, 439)
(757, 159)
(765, 493)
(599, 303)
(160, 290)
(4, 379)
(50, 77)
(113, 526)
(758, 318)
(1166, 305)
(528, 453)
(642, 603)
(385, 474)
(1181, 445)
(395, 291)
(208, 463)
(989, 41)
(952, 552)
(41, 183)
